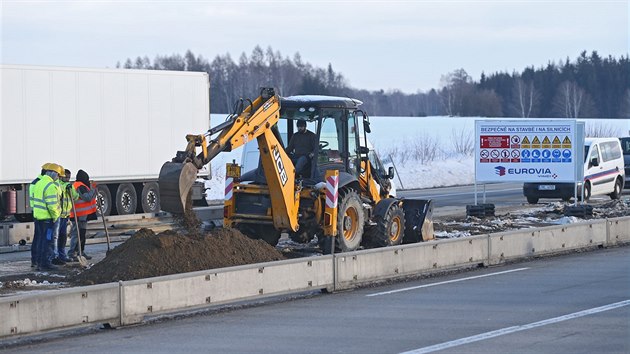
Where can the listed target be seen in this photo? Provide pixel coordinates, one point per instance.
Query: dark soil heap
(146, 255)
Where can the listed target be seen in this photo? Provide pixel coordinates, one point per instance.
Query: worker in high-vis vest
(68, 193)
(35, 240)
(46, 212)
(54, 255)
(85, 205)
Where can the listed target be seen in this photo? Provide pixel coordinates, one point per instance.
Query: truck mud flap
(418, 220)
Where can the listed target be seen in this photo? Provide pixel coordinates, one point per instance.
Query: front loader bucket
(418, 220)
(175, 182)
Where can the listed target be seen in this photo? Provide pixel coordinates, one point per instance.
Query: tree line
(588, 87)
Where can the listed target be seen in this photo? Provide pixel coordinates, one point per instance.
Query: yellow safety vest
(66, 195)
(46, 199)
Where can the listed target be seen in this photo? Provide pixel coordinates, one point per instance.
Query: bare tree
(572, 101)
(454, 87)
(524, 99)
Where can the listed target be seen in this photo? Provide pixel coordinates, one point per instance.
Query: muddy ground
(546, 215)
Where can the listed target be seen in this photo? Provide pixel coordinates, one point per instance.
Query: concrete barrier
(532, 242)
(198, 289)
(365, 266)
(12, 233)
(33, 313)
(129, 302)
(618, 230)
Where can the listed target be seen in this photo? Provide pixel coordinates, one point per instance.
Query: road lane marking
(513, 329)
(445, 282)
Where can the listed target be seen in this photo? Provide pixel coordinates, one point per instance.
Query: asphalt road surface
(578, 303)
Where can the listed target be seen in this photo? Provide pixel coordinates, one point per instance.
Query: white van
(603, 174)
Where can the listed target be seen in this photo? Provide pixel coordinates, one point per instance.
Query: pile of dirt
(146, 255)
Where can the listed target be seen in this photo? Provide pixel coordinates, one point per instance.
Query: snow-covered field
(426, 151)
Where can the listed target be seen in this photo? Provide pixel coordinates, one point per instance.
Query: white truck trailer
(118, 125)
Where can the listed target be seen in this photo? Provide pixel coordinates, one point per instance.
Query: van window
(594, 154)
(610, 151)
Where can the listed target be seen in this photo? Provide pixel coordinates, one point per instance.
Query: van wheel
(532, 200)
(616, 194)
(587, 191)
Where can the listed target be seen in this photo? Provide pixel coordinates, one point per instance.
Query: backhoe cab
(342, 197)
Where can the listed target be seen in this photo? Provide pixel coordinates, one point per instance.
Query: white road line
(513, 329)
(445, 282)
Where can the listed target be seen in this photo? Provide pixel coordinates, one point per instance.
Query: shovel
(82, 261)
(100, 209)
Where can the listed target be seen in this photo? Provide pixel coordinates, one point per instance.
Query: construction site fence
(132, 302)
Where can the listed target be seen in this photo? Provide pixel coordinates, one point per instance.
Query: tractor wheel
(389, 229)
(350, 221)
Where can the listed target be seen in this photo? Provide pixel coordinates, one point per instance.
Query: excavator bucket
(175, 181)
(418, 220)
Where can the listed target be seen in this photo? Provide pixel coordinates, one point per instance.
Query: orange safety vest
(82, 207)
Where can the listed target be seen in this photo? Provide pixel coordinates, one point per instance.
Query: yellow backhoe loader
(343, 198)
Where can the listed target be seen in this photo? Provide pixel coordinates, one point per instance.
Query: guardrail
(128, 302)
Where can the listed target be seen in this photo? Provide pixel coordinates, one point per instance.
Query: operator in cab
(302, 148)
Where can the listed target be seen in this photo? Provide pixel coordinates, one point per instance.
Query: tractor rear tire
(389, 229)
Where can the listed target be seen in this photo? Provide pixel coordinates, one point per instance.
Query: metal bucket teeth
(175, 182)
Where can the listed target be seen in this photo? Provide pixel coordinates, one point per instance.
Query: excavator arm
(254, 121)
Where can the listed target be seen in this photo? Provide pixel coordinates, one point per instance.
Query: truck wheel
(389, 229)
(104, 197)
(532, 200)
(150, 198)
(616, 194)
(126, 199)
(350, 221)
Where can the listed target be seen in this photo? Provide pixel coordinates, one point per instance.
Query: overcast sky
(406, 45)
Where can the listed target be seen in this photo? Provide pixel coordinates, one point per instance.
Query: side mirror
(390, 173)
(594, 161)
(366, 126)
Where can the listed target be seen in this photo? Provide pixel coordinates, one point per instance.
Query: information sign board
(526, 151)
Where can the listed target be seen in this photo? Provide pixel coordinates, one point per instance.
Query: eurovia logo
(540, 172)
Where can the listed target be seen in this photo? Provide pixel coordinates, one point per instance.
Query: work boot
(47, 267)
(86, 256)
(58, 261)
